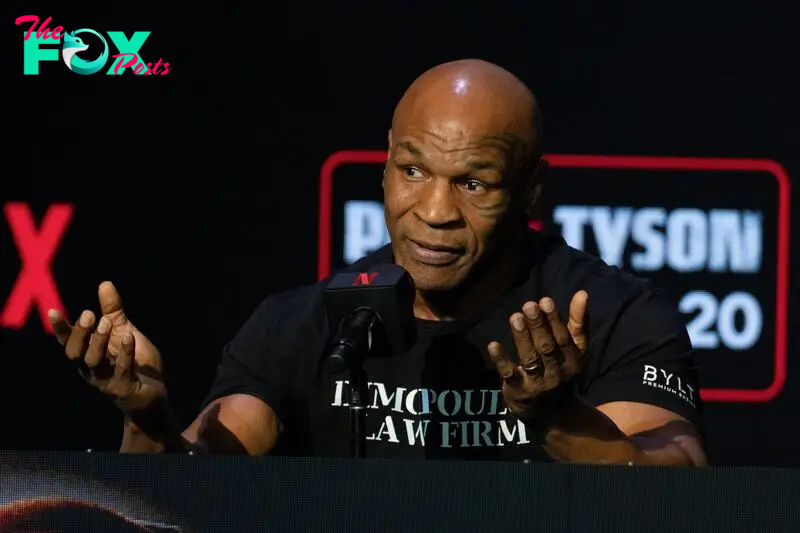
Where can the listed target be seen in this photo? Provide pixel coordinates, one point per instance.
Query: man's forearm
(580, 433)
(134, 440)
(152, 431)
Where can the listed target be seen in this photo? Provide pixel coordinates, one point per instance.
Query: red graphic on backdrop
(35, 285)
(349, 157)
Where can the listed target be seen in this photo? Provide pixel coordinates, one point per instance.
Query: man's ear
(535, 186)
(388, 154)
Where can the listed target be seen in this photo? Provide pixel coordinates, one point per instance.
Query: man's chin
(435, 278)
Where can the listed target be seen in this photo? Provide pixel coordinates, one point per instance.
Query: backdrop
(252, 162)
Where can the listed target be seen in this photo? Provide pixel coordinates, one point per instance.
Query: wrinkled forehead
(462, 132)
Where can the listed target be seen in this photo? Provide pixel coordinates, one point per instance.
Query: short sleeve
(648, 358)
(249, 365)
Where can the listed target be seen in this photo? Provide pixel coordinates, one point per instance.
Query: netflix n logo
(36, 245)
(365, 278)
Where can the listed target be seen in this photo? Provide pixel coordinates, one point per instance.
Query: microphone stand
(358, 412)
(352, 347)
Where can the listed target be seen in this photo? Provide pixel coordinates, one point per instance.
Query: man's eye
(475, 186)
(412, 172)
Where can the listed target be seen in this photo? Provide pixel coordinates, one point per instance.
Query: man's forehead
(459, 127)
(475, 156)
(455, 120)
(495, 149)
(422, 145)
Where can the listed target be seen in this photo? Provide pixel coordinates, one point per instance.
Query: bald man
(526, 349)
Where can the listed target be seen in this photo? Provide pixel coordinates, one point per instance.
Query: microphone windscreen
(386, 289)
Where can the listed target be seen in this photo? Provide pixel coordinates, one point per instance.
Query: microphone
(369, 313)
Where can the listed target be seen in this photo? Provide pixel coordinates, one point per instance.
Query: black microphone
(369, 313)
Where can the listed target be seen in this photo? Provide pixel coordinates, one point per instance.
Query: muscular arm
(240, 416)
(623, 433)
(621, 418)
(235, 424)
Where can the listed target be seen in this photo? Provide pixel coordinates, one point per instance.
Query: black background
(196, 192)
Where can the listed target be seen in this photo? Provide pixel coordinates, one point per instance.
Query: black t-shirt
(442, 399)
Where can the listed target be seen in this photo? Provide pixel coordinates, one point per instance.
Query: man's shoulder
(288, 302)
(567, 270)
(292, 317)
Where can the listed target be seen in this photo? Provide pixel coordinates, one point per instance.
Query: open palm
(111, 354)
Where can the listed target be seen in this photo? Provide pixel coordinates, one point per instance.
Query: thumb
(111, 303)
(577, 319)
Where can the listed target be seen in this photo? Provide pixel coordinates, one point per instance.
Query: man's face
(445, 193)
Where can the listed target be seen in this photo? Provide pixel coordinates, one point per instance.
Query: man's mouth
(434, 254)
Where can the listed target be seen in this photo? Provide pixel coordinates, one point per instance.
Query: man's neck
(501, 273)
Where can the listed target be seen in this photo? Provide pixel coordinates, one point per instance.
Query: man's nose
(437, 206)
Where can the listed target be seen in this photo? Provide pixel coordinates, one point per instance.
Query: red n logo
(35, 286)
(364, 278)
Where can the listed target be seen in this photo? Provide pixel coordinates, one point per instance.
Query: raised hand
(111, 354)
(550, 355)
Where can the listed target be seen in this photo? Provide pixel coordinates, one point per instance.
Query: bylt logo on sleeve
(128, 55)
(668, 381)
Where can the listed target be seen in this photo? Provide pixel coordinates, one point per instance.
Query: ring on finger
(532, 367)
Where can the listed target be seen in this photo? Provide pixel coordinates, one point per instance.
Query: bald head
(474, 97)
(463, 171)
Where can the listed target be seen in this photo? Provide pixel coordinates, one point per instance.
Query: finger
(97, 348)
(507, 370)
(577, 318)
(111, 302)
(79, 338)
(543, 339)
(523, 341)
(60, 326)
(559, 330)
(123, 368)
